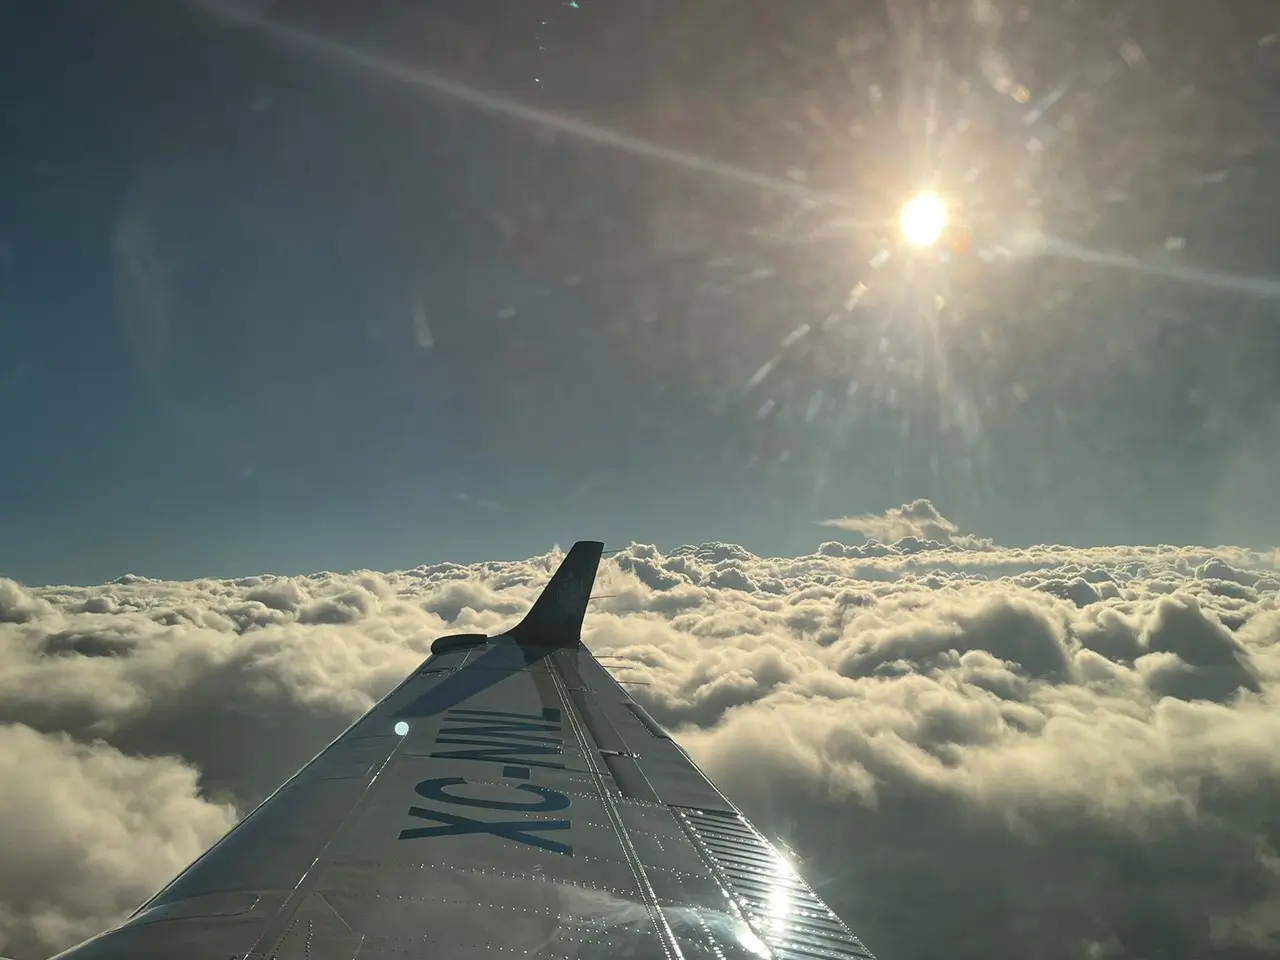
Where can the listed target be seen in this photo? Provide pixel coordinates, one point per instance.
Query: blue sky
(264, 311)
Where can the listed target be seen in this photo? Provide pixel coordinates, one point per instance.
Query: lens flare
(923, 219)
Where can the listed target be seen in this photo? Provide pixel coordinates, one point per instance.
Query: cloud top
(975, 750)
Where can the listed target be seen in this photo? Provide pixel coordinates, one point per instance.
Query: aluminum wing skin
(507, 799)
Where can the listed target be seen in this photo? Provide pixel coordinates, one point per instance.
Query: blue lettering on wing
(535, 733)
(520, 831)
(502, 736)
(551, 800)
(517, 742)
(526, 832)
(493, 752)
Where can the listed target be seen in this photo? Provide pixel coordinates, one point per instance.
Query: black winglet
(555, 620)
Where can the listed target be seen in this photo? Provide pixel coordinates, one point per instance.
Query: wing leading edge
(509, 797)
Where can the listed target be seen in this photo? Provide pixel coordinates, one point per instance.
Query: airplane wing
(508, 799)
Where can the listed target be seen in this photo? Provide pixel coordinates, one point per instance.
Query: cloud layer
(976, 751)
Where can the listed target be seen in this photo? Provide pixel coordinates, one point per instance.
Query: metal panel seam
(669, 943)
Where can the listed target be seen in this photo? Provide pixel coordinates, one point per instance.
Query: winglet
(555, 620)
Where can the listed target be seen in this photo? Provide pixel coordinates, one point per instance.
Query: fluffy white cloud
(90, 833)
(919, 520)
(1050, 751)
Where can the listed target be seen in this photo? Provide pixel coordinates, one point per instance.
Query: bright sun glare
(923, 219)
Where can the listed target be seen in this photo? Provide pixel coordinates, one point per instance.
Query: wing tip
(555, 619)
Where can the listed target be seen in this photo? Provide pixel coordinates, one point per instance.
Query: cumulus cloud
(975, 750)
(90, 833)
(919, 520)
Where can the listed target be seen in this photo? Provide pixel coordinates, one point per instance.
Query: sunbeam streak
(1250, 286)
(545, 119)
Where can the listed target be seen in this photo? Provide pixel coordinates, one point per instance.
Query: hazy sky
(266, 305)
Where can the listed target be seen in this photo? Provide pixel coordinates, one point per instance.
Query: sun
(923, 219)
